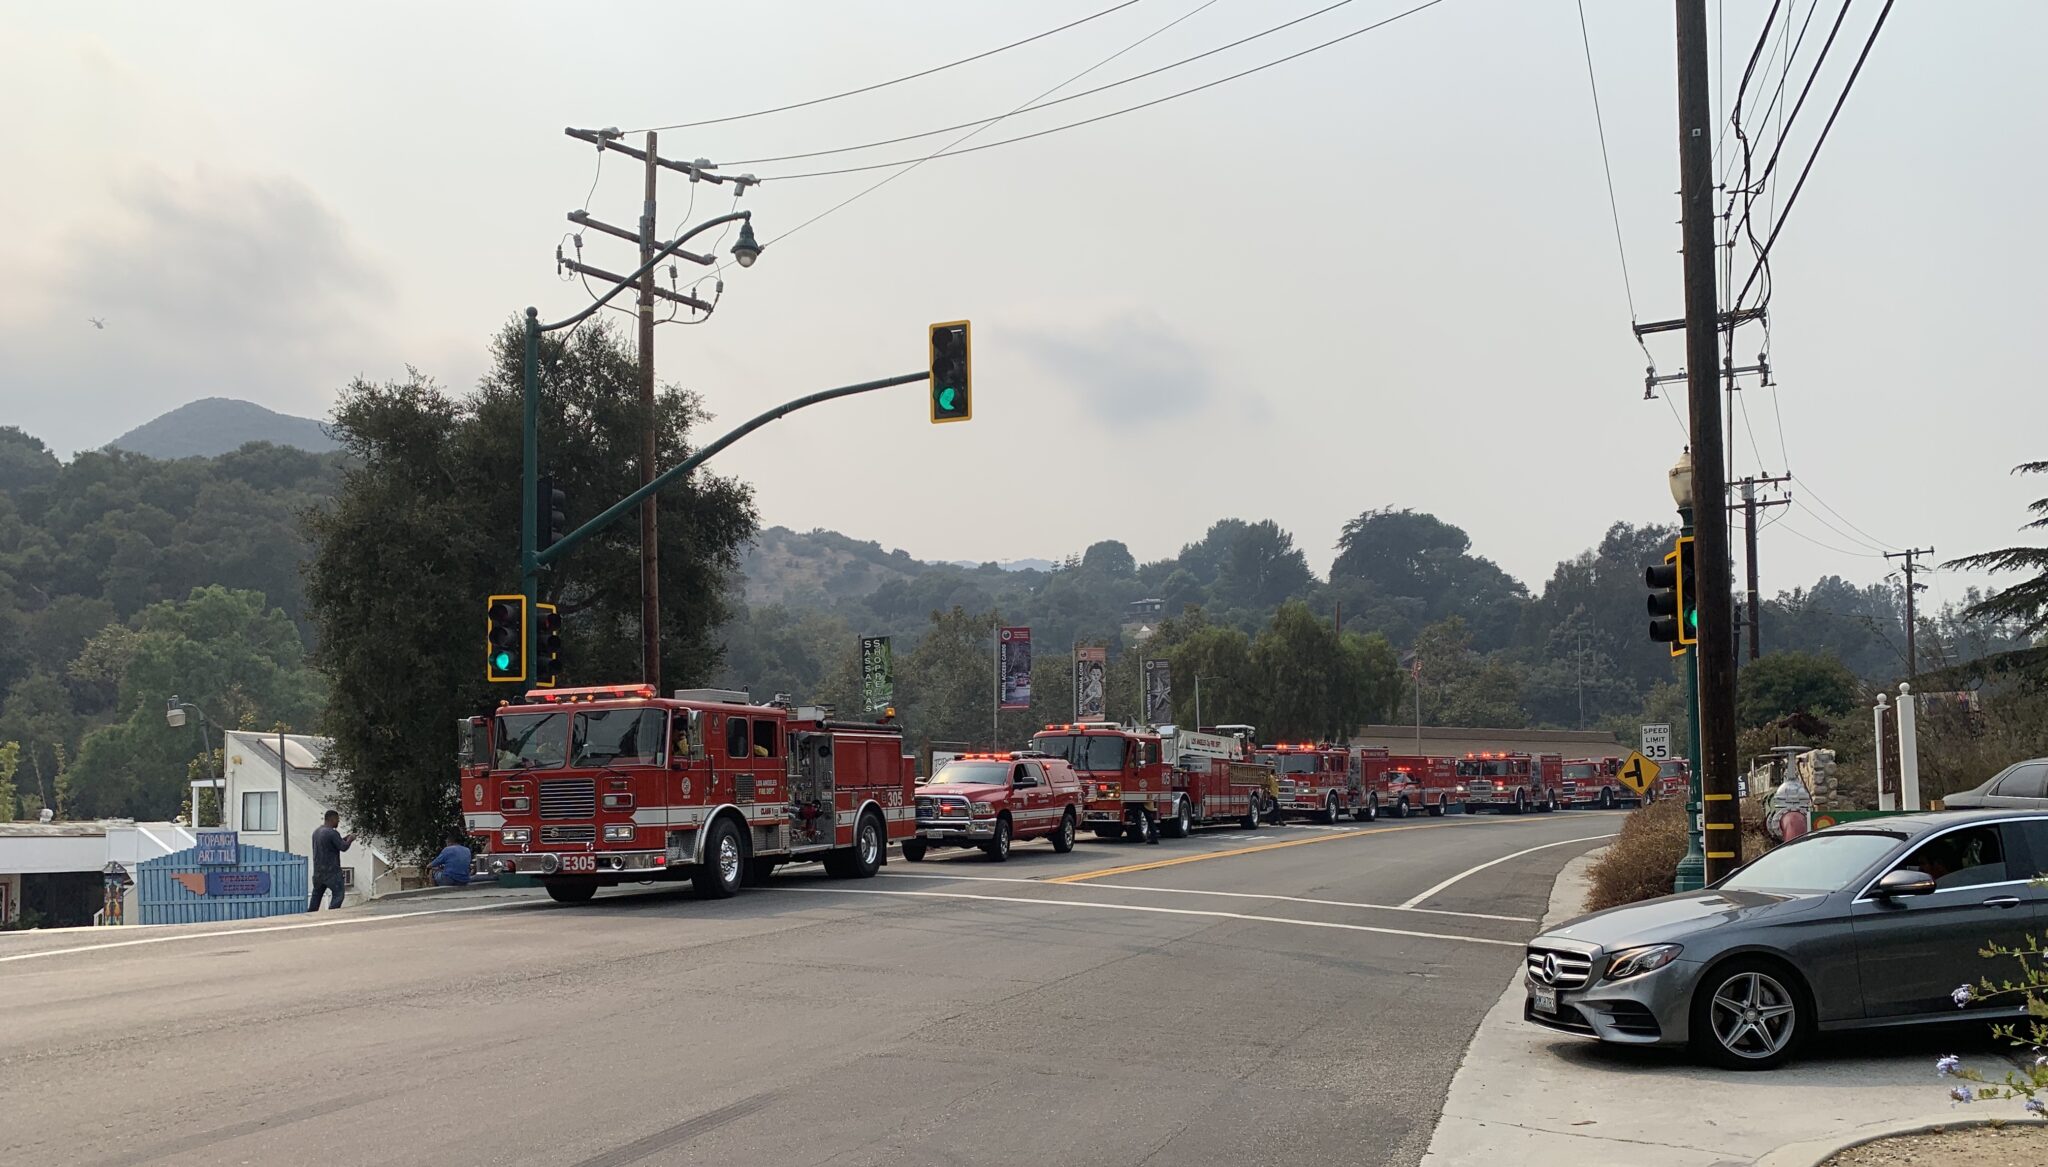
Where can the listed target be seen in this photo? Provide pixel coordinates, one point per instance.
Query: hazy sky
(1382, 274)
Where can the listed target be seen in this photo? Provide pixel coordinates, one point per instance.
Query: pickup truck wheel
(723, 870)
(1437, 808)
(1063, 839)
(998, 848)
(1182, 824)
(913, 850)
(571, 893)
(1401, 808)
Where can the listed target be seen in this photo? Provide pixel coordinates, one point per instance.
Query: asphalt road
(1232, 999)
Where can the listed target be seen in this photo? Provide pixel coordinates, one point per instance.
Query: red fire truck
(1137, 783)
(587, 788)
(1405, 784)
(990, 800)
(1317, 780)
(1511, 783)
(1595, 782)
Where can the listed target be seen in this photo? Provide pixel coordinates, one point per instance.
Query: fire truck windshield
(1084, 751)
(972, 774)
(614, 735)
(530, 741)
(1581, 770)
(1472, 768)
(1294, 763)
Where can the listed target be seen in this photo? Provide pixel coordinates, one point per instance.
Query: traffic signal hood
(505, 638)
(952, 372)
(1674, 612)
(1688, 593)
(547, 647)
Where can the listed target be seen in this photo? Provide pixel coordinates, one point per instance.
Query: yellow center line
(1178, 860)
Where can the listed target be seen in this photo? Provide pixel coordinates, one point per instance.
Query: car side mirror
(1905, 881)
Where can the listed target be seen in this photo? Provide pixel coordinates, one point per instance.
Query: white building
(55, 870)
(253, 807)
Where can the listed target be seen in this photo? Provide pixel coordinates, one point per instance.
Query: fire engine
(1510, 782)
(592, 787)
(1405, 784)
(992, 800)
(1319, 780)
(1595, 782)
(1139, 782)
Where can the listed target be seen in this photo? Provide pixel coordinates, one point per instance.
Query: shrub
(1643, 859)
(2028, 1083)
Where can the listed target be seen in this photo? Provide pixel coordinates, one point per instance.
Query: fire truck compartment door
(814, 813)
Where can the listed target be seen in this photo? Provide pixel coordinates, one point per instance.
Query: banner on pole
(877, 674)
(1159, 691)
(1013, 668)
(1091, 669)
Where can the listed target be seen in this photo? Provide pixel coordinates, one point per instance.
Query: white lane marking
(334, 923)
(957, 895)
(1235, 895)
(1414, 900)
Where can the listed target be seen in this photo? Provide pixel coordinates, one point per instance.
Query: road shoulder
(1528, 1096)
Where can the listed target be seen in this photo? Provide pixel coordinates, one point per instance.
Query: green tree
(947, 684)
(1219, 659)
(424, 526)
(10, 760)
(1400, 569)
(1782, 683)
(2024, 604)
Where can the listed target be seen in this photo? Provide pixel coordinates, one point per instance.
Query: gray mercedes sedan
(1862, 925)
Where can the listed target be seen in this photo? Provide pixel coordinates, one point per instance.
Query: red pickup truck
(992, 801)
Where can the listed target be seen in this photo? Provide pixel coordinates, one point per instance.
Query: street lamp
(174, 716)
(746, 250)
(1692, 869)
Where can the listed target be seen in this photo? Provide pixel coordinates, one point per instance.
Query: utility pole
(1912, 653)
(651, 248)
(650, 543)
(1750, 506)
(1716, 649)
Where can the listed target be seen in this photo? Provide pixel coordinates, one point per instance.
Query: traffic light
(952, 373)
(505, 639)
(1688, 594)
(549, 505)
(547, 646)
(1665, 604)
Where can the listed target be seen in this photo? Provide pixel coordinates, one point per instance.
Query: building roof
(53, 830)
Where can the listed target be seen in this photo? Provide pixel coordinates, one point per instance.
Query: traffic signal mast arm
(626, 504)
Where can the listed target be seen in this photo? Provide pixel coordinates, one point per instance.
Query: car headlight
(619, 834)
(983, 809)
(1634, 962)
(515, 834)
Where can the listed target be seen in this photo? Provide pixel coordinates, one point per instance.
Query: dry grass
(1642, 860)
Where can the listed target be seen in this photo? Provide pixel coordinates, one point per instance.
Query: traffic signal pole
(1715, 652)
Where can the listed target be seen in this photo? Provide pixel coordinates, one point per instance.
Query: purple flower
(1948, 1065)
(1963, 1094)
(2035, 1106)
(1963, 995)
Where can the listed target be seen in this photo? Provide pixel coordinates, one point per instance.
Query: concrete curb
(418, 892)
(1814, 1152)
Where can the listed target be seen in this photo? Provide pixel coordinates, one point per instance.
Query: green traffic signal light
(502, 662)
(946, 397)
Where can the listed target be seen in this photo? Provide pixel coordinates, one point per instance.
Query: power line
(1606, 167)
(1808, 488)
(1791, 530)
(912, 164)
(948, 152)
(1822, 519)
(1038, 105)
(893, 81)
(1792, 199)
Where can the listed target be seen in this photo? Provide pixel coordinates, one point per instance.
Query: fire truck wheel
(570, 893)
(758, 872)
(723, 870)
(1110, 833)
(1250, 820)
(862, 859)
(1437, 808)
(1549, 804)
(1521, 803)
(1182, 824)
(998, 848)
(1063, 839)
(1607, 800)
(913, 850)
(1371, 811)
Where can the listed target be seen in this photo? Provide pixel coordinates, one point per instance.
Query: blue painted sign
(238, 883)
(218, 848)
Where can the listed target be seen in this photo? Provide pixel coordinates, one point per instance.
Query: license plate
(1544, 1000)
(574, 863)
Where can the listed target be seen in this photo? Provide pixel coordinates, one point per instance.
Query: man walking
(328, 844)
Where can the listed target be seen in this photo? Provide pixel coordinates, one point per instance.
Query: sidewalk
(1527, 1096)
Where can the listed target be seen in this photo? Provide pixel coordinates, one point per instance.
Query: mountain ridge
(212, 426)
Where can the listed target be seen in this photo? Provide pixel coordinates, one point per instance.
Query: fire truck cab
(1317, 780)
(1510, 783)
(992, 800)
(592, 787)
(1405, 784)
(1595, 782)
